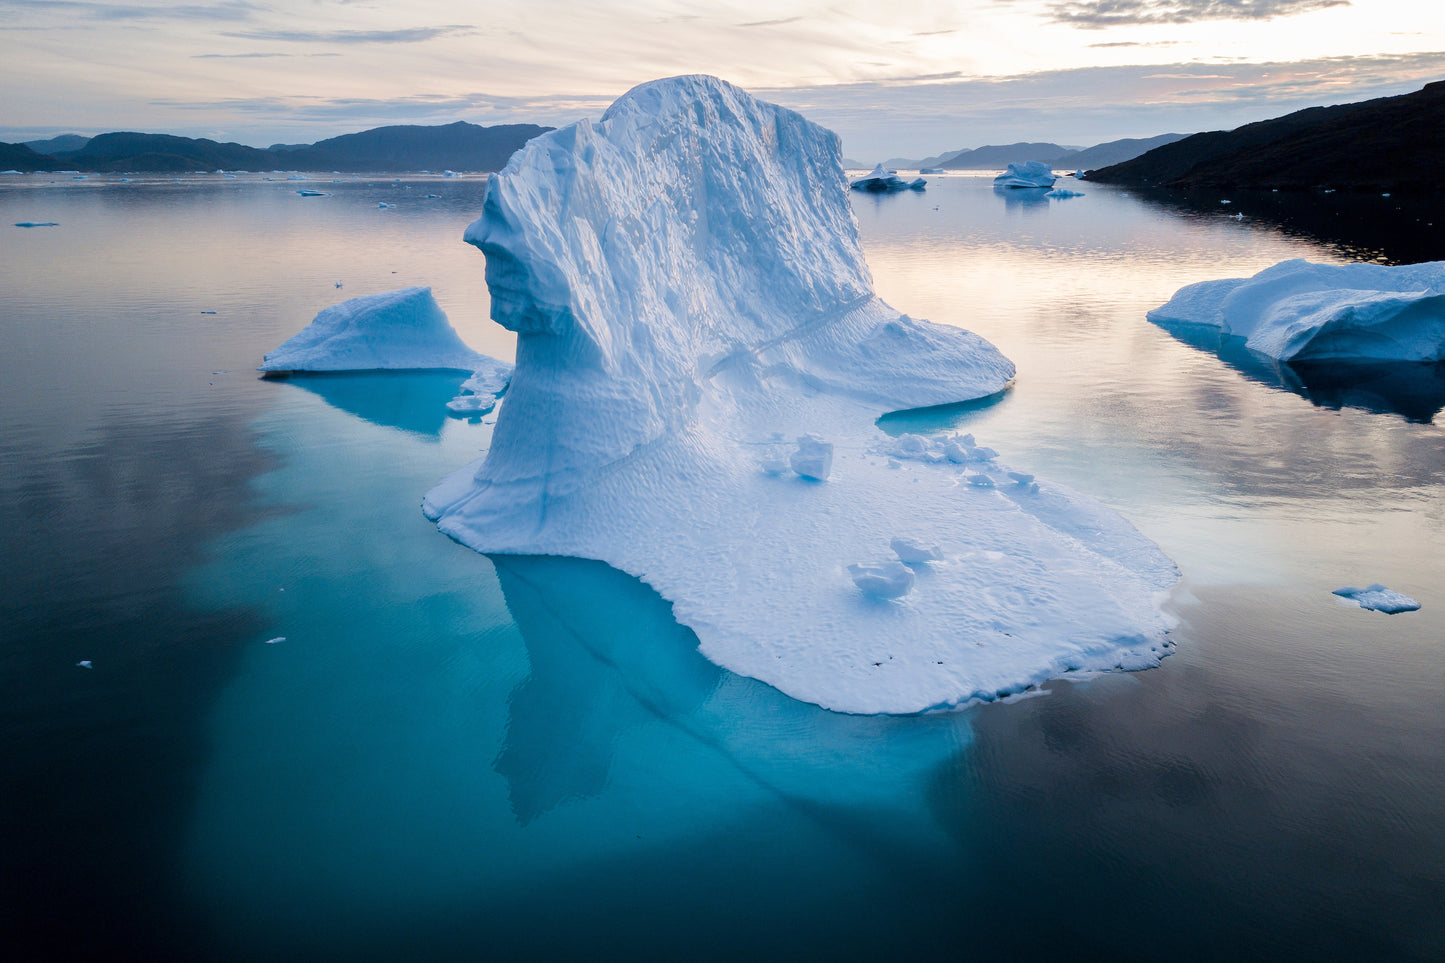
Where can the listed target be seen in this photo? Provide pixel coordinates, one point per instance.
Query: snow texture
(1379, 598)
(691, 304)
(403, 329)
(884, 181)
(1299, 311)
(1027, 174)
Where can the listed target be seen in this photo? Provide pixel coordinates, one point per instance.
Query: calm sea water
(450, 756)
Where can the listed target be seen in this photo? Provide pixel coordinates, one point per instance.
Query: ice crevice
(700, 363)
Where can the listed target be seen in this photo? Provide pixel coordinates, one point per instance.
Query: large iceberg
(700, 363)
(1302, 312)
(403, 329)
(1027, 174)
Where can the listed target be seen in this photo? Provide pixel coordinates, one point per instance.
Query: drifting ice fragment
(1027, 174)
(84, 664)
(890, 580)
(813, 459)
(37, 224)
(392, 330)
(1379, 598)
(685, 278)
(1062, 193)
(913, 552)
(1298, 311)
(279, 638)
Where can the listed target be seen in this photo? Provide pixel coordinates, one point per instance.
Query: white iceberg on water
(1303, 312)
(403, 329)
(884, 181)
(1026, 174)
(688, 291)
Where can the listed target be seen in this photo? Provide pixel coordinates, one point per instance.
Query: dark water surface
(451, 756)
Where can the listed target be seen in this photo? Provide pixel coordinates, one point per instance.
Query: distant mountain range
(1389, 144)
(459, 146)
(999, 156)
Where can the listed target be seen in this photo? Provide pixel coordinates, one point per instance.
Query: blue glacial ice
(1298, 311)
(700, 363)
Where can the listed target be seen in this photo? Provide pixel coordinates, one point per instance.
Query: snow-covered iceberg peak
(700, 364)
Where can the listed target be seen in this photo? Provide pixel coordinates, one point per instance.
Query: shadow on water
(414, 401)
(97, 766)
(1414, 390)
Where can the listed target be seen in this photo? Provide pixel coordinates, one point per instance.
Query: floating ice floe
(1026, 174)
(84, 664)
(403, 329)
(480, 392)
(930, 170)
(37, 223)
(689, 296)
(1299, 311)
(1063, 193)
(884, 181)
(309, 193)
(1379, 598)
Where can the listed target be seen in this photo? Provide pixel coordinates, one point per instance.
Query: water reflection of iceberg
(414, 401)
(1412, 389)
(607, 656)
(1023, 197)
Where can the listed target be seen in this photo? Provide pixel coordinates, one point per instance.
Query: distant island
(460, 146)
(1391, 144)
(999, 156)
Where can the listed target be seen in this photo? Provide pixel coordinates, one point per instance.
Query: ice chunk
(1299, 311)
(930, 170)
(310, 193)
(915, 552)
(813, 459)
(37, 223)
(685, 278)
(884, 181)
(890, 580)
(1063, 193)
(1379, 598)
(392, 330)
(84, 664)
(1026, 174)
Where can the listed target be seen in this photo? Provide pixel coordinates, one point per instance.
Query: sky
(893, 79)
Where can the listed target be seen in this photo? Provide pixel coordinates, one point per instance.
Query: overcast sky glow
(892, 79)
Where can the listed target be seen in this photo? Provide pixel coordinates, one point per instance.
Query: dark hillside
(1388, 144)
(18, 157)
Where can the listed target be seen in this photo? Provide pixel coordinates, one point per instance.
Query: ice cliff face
(700, 360)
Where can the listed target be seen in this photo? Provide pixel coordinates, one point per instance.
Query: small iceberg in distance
(403, 329)
(884, 181)
(1062, 193)
(1026, 174)
(310, 193)
(1379, 599)
(689, 295)
(930, 170)
(1301, 312)
(37, 223)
